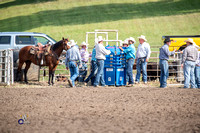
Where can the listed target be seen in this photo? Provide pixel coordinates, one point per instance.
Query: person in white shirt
(142, 57)
(101, 52)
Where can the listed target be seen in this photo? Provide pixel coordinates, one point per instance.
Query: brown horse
(51, 60)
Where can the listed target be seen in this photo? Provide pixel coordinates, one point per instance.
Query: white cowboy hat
(71, 43)
(100, 38)
(84, 44)
(132, 39)
(190, 40)
(125, 42)
(142, 37)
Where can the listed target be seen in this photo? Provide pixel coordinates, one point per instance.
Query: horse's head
(65, 46)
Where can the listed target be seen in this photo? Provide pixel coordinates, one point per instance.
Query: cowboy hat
(84, 44)
(125, 42)
(142, 37)
(100, 38)
(190, 40)
(167, 40)
(132, 39)
(71, 43)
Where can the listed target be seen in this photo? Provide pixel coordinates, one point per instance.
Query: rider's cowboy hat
(142, 37)
(84, 44)
(71, 43)
(132, 39)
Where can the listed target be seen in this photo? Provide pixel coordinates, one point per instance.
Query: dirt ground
(60, 109)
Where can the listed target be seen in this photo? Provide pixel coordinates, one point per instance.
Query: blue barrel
(109, 75)
(120, 76)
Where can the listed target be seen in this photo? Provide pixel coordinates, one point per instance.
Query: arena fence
(153, 71)
(6, 67)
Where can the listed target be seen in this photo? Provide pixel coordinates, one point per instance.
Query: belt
(164, 59)
(129, 59)
(141, 57)
(191, 60)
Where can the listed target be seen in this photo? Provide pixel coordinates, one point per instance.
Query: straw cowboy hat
(190, 40)
(100, 38)
(71, 43)
(142, 37)
(84, 44)
(132, 39)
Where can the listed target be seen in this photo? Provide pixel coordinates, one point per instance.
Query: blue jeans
(129, 71)
(189, 74)
(93, 72)
(141, 65)
(100, 73)
(73, 71)
(164, 69)
(197, 76)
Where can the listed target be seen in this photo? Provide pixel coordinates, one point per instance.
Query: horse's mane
(57, 44)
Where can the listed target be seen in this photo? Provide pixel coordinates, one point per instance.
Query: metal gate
(6, 67)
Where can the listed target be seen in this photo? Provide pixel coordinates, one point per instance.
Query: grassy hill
(72, 18)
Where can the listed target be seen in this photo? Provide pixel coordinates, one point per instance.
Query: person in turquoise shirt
(130, 57)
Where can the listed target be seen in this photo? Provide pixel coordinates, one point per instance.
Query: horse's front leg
(50, 74)
(52, 77)
(53, 73)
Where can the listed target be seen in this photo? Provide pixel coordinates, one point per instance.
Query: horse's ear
(63, 38)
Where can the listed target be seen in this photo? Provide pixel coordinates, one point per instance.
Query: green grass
(72, 18)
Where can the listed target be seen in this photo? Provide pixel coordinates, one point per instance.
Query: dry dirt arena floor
(60, 109)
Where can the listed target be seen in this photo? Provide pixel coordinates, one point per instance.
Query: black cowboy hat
(167, 40)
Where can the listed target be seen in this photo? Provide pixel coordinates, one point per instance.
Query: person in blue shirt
(130, 57)
(72, 57)
(164, 57)
(93, 67)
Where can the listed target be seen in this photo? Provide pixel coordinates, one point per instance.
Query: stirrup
(41, 63)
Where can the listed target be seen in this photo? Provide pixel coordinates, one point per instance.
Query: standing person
(190, 55)
(125, 45)
(72, 56)
(142, 57)
(130, 57)
(84, 58)
(164, 57)
(101, 52)
(197, 70)
(93, 67)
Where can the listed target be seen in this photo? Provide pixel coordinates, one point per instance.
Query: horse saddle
(45, 50)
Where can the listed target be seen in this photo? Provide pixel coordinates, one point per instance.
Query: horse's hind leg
(28, 64)
(19, 70)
